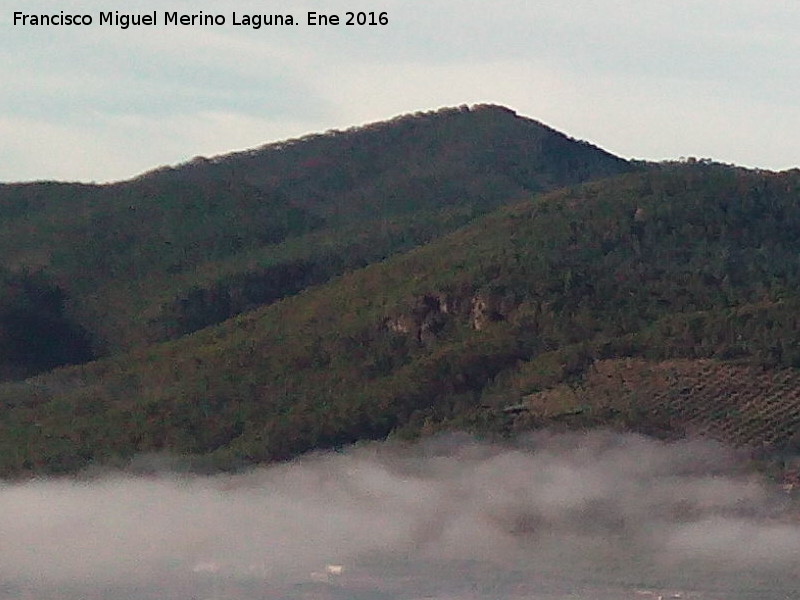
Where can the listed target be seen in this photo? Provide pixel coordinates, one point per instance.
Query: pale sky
(650, 79)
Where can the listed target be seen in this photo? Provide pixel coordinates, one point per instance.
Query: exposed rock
(430, 313)
(402, 324)
(428, 316)
(484, 309)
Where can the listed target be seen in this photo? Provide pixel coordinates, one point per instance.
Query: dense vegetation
(35, 334)
(181, 248)
(495, 327)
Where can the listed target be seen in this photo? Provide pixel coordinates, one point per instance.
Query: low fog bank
(578, 516)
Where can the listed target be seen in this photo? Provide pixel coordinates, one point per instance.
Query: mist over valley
(583, 516)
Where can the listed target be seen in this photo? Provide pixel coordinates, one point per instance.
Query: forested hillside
(565, 309)
(178, 249)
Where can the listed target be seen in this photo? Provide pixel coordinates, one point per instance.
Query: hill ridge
(685, 262)
(158, 257)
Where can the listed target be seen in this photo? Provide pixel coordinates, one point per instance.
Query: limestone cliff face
(483, 311)
(424, 319)
(430, 313)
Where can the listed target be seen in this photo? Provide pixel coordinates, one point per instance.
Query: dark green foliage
(35, 334)
(694, 261)
(679, 262)
(181, 248)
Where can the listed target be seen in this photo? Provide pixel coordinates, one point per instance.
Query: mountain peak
(479, 125)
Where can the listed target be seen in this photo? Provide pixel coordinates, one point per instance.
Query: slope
(181, 248)
(682, 262)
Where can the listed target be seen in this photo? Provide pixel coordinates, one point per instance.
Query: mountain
(178, 249)
(663, 301)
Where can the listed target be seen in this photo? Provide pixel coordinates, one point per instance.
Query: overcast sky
(655, 80)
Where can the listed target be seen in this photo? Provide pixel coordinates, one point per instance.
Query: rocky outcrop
(429, 314)
(486, 309)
